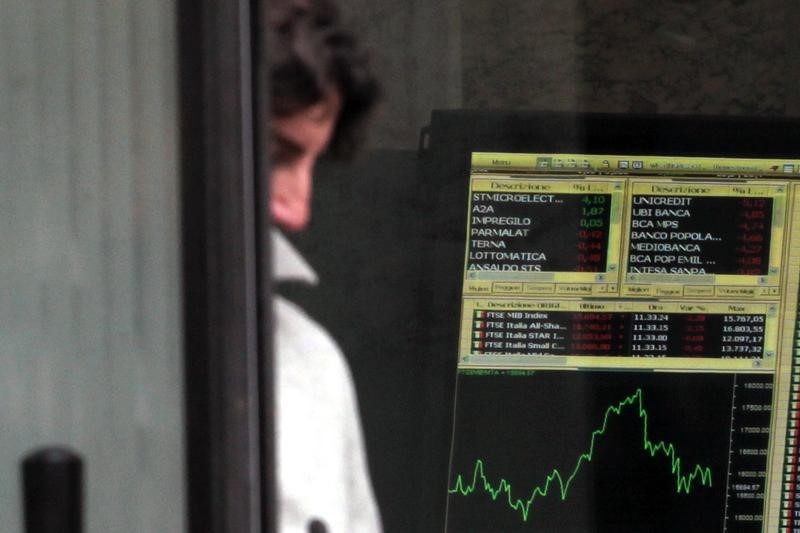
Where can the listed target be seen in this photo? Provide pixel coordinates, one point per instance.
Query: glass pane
(389, 240)
(90, 349)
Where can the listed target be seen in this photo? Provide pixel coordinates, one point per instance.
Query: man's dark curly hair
(309, 54)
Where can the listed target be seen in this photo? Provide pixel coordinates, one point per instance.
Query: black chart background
(525, 426)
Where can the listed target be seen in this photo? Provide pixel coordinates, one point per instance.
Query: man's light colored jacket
(322, 468)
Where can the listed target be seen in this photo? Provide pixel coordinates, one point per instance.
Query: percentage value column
(694, 335)
(593, 233)
(752, 241)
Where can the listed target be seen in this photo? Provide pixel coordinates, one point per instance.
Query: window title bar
(629, 164)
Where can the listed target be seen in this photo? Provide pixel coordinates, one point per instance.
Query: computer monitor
(628, 329)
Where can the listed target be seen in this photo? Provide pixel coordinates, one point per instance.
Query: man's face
(297, 141)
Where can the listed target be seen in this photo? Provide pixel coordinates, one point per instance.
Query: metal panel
(226, 297)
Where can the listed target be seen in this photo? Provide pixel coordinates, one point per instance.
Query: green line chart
(684, 480)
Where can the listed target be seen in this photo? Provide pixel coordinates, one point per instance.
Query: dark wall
(731, 57)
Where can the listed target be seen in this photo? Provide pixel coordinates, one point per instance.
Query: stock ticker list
(624, 334)
(664, 234)
(525, 232)
(699, 235)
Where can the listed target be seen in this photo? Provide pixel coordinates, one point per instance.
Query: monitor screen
(627, 342)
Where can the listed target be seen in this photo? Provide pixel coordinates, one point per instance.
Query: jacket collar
(288, 264)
